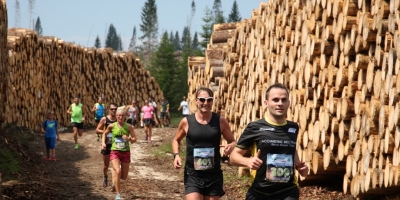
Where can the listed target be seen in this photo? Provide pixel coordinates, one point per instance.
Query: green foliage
(97, 43)
(113, 40)
(176, 41)
(149, 28)
(9, 164)
(218, 12)
(206, 27)
(185, 36)
(163, 149)
(195, 42)
(38, 27)
(234, 16)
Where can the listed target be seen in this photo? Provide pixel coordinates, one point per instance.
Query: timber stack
(45, 73)
(3, 57)
(340, 60)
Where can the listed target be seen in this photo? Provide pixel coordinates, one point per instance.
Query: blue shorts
(50, 142)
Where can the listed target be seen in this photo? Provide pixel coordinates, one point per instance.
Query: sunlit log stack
(45, 73)
(340, 60)
(3, 56)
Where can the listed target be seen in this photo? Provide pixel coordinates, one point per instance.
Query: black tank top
(108, 122)
(203, 136)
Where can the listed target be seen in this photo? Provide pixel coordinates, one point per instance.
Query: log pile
(45, 73)
(3, 56)
(340, 60)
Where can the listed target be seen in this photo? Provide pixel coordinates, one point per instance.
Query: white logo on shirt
(292, 130)
(267, 129)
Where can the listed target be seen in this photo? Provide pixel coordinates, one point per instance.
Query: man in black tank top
(203, 175)
(104, 122)
(276, 159)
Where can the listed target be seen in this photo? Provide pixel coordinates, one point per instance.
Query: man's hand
(255, 162)
(302, 168)
(177, 162)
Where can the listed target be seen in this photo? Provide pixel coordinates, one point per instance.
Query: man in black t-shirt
(276, 159)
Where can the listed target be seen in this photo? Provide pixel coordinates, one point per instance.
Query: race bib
(203, 158)
(279, 167)
(120, 143)
(109, 138)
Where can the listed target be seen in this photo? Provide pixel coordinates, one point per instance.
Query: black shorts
(290, 194)
(97, 121)
(164, 115)
(148, 121)
(131, 121)
(207, 185)
(77, 125)
(185, 115)
(106, 151)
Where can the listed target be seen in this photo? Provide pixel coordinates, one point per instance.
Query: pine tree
(31, 5)
(206, 27)
(195, 42)
(132, 44)
(38, 26)
(185, 36)
(218, 14)
(171, 37)
(97, 42)
(177, 42)
(149, 28)
(164, 68)
(234, 16)
(113, 40)
(17, 17)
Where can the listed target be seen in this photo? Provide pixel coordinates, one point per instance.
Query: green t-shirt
(118, 143)
(76, 115)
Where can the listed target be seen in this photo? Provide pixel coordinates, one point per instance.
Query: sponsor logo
(267, 129)
(292, 130)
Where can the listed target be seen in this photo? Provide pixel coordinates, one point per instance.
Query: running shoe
(54, 159)
(47, 158)
(76, 146)
(118, 197)
(105, 181)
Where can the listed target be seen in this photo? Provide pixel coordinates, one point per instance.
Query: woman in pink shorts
(120, 156)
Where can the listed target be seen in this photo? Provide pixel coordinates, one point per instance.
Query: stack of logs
(3, 56)
(340, 60)
(45, 73)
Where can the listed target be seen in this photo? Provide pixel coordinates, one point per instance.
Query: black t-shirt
(202, 146)
(277, 144)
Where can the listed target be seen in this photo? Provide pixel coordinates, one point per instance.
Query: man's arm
(94, 108)
(69, 111)
(100, 126)
(237, 158)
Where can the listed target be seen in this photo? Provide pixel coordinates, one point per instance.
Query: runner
(164, 115)
(103, 124)
(98, 110)
(185, 107)
(155, 112)
(133, 114)
(203, 177)
(148, 121)
(276, 158)
(77, 119)
(121, 134)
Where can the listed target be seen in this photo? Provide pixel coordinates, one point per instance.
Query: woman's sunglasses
(202, 100)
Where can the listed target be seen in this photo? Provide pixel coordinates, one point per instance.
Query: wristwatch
(176, 154)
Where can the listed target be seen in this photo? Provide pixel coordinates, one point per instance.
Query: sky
(80, 21)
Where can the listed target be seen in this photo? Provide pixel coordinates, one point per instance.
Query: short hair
(76, 96)
(114, 104)
(50, 112)
(205, 89)
(278, 86)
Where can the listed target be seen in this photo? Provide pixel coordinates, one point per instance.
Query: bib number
(203, 158)
(120, 143)
(279, 167)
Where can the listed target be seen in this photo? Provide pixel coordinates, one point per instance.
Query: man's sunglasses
(113, 109)
(202, 100)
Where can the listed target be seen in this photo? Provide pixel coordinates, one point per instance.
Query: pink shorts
(123, 156)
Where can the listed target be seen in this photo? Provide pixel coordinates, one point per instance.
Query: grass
(9, 165)
(163, 150)
(175, 119)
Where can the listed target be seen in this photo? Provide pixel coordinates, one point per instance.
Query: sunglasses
(202, 100)
(113, 109)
